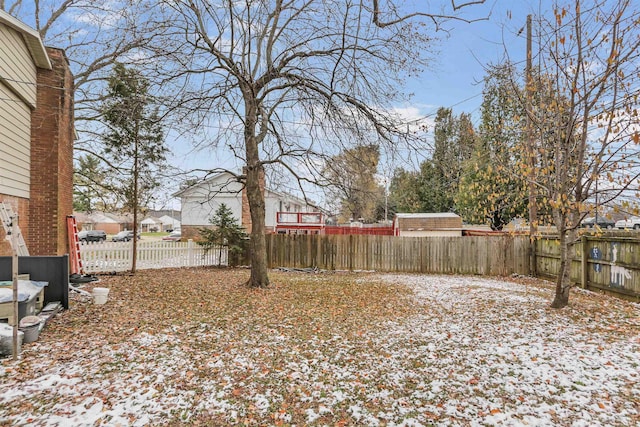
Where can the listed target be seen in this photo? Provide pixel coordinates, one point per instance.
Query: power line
(289, 122)
(8, 79)
(426, 116)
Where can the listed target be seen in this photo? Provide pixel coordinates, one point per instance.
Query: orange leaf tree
(586, 116)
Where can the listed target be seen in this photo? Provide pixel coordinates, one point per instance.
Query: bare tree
(586, 116)
(357, 193)
(288, 84)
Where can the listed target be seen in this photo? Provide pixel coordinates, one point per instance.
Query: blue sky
(457, 72)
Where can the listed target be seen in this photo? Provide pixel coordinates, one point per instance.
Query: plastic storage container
(30, 326)
(100, 295)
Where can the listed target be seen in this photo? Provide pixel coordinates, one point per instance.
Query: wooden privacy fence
(611, 264)
(116, 256)
(487, 255)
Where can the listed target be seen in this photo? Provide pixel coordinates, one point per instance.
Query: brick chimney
(52, 135)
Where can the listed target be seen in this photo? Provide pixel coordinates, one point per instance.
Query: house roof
(102, 218)
(168, 220)
(232, 179)
(31, 38)
(151, 220)
(172, 213)
(213, 177)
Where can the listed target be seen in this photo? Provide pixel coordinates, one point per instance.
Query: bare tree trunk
(258, 247)
(563, 282)
(255, 196)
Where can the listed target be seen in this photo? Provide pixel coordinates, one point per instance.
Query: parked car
(603, 222)
(92, 236)
(124, 236)
(174, 236)
(633, 222)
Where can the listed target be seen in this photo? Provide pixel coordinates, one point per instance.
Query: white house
(151, 223)
(169, 223)
(200, 202)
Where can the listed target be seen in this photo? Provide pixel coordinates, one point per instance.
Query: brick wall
(52, 135)
(21, 207)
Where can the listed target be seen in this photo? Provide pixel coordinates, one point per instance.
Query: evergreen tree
(133, 141)
(89, 184)
(226, 232)
(404, 191)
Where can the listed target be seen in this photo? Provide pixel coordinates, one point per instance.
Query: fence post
(584, 264)
(351, 252)
(130, 260)
(190, 252)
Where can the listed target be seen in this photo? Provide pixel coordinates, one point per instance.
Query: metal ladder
(7, 217)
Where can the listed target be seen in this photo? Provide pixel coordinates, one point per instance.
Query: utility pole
(386, 201)
(532, 154)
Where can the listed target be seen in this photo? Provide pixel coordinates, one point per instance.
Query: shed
(427, 224)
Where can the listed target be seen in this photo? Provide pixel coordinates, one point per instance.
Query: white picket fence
(116, 256)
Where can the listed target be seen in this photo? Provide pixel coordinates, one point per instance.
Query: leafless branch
(435, 18)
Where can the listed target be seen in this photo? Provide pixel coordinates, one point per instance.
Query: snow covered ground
(473, 352)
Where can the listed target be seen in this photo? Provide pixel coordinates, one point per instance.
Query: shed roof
(428, 215)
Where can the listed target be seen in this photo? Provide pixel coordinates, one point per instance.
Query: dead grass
(298, 304)
(197, 347)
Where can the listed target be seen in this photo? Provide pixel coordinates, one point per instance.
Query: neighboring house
(164, 223)
(36, 137)
(172, 213)
(169, 223)
(108, 222)
(164, 220)
(427, 224)
(151, 224)
(200, 202)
